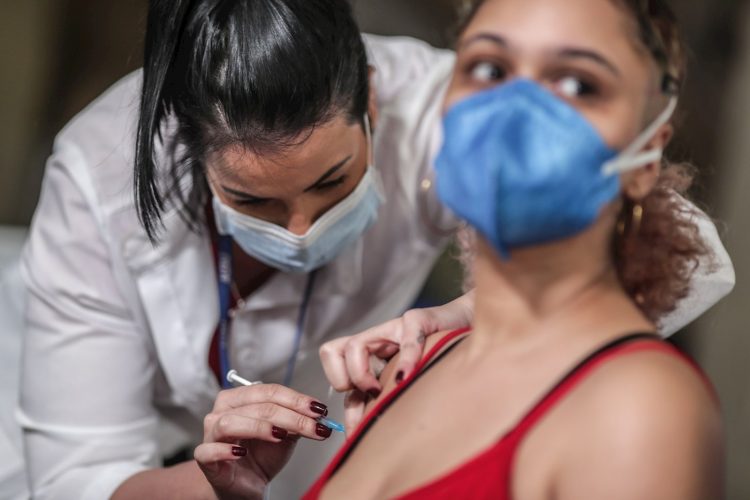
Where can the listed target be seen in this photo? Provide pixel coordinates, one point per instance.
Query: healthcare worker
(282, 172)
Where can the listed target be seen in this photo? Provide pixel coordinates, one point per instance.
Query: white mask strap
(632, 157)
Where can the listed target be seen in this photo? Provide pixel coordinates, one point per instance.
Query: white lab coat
(118, 331)
(12, 473)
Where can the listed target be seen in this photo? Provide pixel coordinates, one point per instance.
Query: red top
(489, 474)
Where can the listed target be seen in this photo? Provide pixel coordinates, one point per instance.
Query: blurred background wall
(57, 55)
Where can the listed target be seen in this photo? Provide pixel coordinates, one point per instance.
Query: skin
(348, 361)
(637, 419)
(292, 187)
(352, 364)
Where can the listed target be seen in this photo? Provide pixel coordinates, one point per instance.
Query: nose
(298, 226)
(300, 220)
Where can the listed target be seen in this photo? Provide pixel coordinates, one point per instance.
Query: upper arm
(656, 435)
(712, 280)
(399, 61)
(86, 382)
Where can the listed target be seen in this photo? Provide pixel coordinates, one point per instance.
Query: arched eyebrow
(486, 37)
(593, 56)
(329, 173)
(242, 195)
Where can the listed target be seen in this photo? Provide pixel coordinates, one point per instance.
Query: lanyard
(225, 297)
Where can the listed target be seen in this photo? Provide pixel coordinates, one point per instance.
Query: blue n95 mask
(523, 167)
(339, 227)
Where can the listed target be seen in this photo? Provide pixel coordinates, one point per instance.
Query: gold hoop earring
(637, 218)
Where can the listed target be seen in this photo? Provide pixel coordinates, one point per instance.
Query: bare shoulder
(647, 384)
(388, 375)
(640, 418)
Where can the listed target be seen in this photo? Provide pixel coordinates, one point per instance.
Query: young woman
(556, 117)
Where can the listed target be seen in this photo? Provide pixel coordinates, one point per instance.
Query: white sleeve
(400, 61)
(87, 369)
(710, 283)
(411, 78)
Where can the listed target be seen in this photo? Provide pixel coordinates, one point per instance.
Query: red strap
(317, 487)
(509, 443)
(548, 402)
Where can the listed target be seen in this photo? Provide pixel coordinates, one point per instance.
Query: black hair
(255, 73)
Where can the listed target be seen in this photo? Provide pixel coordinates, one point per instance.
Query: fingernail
(319, 408)
(278, 432)
(239, 451)
(374, 393)
(322, 431)
(400, 376)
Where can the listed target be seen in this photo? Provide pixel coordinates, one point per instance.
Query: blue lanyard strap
(225, 297)
(300, 327)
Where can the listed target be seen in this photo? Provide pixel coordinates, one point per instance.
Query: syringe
(234, 378)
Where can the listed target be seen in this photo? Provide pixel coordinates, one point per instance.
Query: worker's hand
(250, 435)
(354, 363)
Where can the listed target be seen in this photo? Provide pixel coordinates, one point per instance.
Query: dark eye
(487, 72)
(574, 87)
(251, 202)
(331, 184)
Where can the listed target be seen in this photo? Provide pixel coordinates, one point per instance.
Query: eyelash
(499, 71)
(331, 184)
(254, 203)
(588, 88)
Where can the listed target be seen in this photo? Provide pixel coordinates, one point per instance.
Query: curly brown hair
(657, 252)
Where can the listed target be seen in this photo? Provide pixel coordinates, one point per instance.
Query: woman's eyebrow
(329, 173)
(578, 53)
(486, 37)
(241, 194)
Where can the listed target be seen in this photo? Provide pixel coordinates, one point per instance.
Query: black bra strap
(625, 339)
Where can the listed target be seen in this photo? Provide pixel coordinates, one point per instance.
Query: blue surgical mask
(338, 228)
(525, 168)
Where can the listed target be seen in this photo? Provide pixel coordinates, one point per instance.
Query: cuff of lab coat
(100, 482)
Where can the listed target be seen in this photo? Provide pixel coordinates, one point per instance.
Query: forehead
(599, 24)
(301, 162)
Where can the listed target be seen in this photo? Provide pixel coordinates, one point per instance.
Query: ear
(637, 184)
(372, 103)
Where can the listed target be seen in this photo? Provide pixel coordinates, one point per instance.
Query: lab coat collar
(177, 284)
(342, 277)
(182, 252)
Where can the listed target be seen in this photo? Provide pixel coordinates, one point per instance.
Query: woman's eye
(244, 202)
(487, 72)
(331, 184)
(574, 87)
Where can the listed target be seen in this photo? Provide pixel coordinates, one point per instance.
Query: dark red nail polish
(322, 431)
(319, 408)
(239, 451)
(374, 393)
(278, 432)
(400, 376)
